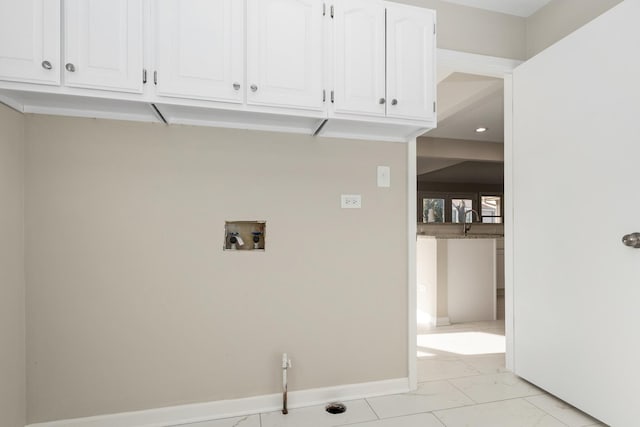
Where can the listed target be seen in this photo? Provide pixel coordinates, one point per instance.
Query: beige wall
(132, 303)
(12, 283)
(473, 30)
(560, 18)
(484, 32)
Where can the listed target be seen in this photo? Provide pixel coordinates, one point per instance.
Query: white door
(103, 44)
(284, 53)
(200, 49)
(576, 287)
(30, 41)
(359, 57)
(410, 62)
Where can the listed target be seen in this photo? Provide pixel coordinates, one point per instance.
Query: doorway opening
(460, 186)
(460, 245)
(462, 308)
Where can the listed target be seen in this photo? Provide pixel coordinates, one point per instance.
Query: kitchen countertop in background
(461, 236)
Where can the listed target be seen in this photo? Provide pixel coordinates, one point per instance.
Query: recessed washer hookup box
(245, 235)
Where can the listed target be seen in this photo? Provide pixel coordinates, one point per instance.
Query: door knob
(632, 240)
(46, 65)
(70, 67)
(236, 86)
(254, 88)
(394, 102)
(382, 101)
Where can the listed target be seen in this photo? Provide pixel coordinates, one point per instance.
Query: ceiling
(523, 8)
(454, 152)
(468, 172)
(467, 102)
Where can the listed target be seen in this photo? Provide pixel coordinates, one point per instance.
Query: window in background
(433, 210)
(459, 208)
(491, 209)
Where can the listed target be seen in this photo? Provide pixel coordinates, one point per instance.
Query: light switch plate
(384, 176)
(351, 201)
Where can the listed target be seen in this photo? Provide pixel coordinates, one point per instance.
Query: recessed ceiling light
(481, 129)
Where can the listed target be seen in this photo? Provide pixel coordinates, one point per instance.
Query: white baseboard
(443, 321)
(184, 414)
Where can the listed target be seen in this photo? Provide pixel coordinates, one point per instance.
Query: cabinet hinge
(324, 9)
(434, 28)
(144, 76)
(331, 12)
(434, 106)
(324, 95)
(332, 97)
(155, 78)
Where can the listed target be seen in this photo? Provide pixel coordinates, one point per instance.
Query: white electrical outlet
(384, 176)
(351, 201)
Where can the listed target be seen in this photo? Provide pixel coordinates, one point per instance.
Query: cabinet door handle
(254, 88)
(46, 65)
(394, 102)
(382, 101)
(236, 86)
(70, 67)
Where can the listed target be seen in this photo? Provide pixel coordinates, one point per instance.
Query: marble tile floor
(463, 382)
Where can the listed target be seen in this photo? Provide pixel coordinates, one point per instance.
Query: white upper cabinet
(199, 49)
(383, 60)
(410, 62)
(103, 42)
(284, 53)
(359, 57)
(30, 41)
(345, 68)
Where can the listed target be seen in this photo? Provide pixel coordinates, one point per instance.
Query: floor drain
(336, 408)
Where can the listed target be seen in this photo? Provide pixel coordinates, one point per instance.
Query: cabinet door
(410, 62)
(103, 44)
(200, 49)
(284, 53)
(30, 41)
(359, 57)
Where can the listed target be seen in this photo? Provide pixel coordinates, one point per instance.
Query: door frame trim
(448, 62)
